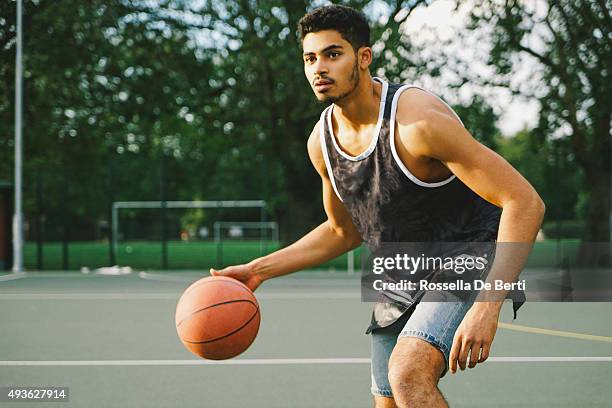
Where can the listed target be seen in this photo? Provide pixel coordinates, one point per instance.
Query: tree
(572, 42)
(215, 88)
(104, 80)
(274, 111)
(549, 167)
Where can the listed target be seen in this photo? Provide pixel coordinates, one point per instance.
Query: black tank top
(389, 204)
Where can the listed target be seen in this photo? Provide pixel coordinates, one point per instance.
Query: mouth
(323, 85)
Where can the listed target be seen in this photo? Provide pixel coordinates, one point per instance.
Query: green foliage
(549, 167)
(111, 86)
(564, 229)
(215, 90)
(572, 41)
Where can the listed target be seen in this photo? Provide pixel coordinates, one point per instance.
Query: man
(397, 165)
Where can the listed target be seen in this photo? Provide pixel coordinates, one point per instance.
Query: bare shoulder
(314, 151)
(422, 119)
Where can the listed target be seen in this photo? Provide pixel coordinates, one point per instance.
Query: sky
(440, 20)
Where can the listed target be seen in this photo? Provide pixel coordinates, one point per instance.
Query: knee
(402, 376)
(414, 364)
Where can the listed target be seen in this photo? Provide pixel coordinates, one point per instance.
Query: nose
(320, 68)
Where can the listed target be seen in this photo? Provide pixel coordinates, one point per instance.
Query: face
(331, 65)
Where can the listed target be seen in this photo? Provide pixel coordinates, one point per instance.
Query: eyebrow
(329, 47)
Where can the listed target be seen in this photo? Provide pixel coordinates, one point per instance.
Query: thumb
(223, 272)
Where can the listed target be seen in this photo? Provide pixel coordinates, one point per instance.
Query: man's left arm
(444, 138)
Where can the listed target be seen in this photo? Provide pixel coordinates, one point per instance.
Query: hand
(475, 332)
(244, 273)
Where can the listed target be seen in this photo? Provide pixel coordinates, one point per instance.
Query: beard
(354, 82)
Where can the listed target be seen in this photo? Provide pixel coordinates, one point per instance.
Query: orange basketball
(217, 317)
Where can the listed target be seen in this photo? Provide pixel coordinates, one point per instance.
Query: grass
(201, 255)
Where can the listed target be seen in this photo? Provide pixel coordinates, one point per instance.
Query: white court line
(168, 278)
(166, 296)
(88, 296)
(267, 361)
(12, 276)
(190, 276)
(322, 295)
(326, 280)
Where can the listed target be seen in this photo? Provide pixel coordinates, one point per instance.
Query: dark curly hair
(350, 23)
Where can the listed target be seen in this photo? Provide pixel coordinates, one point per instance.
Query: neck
(360, 108)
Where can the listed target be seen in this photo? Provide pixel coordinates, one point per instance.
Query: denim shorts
(434, 322)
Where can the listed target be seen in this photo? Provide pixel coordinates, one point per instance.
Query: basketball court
(111, 340)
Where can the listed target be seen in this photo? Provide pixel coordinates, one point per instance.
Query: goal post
(218, 226)
(163, 205)
(233, 231)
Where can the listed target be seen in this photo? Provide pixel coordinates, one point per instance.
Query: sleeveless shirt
(388, 204)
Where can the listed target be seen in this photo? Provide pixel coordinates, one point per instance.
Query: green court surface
(111, 340)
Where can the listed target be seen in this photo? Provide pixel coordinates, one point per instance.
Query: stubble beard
(354, 80)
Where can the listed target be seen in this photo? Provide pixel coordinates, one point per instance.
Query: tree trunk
(599, 212)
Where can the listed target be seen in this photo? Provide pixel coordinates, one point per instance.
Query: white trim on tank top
(399, 162)
(330, 173)
(374, 141)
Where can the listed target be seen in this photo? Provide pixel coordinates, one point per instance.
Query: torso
(395, 193)
(424, 168)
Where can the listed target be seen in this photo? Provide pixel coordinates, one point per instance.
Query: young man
(397, 165)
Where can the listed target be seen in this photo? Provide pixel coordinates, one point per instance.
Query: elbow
(529, 205)
(349, 236)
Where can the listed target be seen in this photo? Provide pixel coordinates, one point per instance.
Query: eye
(310, 59)
(334, 54)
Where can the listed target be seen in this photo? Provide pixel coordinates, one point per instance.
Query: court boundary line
(169, 296)
(13, 276)
(274, 361)
(308, 274)
(168, 278)
(556, 333)
(330, 278)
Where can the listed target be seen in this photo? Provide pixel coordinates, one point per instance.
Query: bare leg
(415, 367)
(384, 402)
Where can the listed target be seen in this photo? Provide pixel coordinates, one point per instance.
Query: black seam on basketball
(225, 335)
(237, 283)
(217, 304)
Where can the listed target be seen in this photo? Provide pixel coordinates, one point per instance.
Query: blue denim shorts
(434, 322)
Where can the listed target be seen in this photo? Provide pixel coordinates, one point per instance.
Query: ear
(364, 56)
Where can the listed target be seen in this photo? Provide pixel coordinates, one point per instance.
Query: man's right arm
(329, 240)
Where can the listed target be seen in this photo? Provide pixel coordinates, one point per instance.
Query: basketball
(217, 317)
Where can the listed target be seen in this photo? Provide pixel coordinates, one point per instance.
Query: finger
(474, 353)
(215, 272)
(463, 355)
(452, 359)
(485, 352)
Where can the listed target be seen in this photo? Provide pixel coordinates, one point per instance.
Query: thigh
(436, 323)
